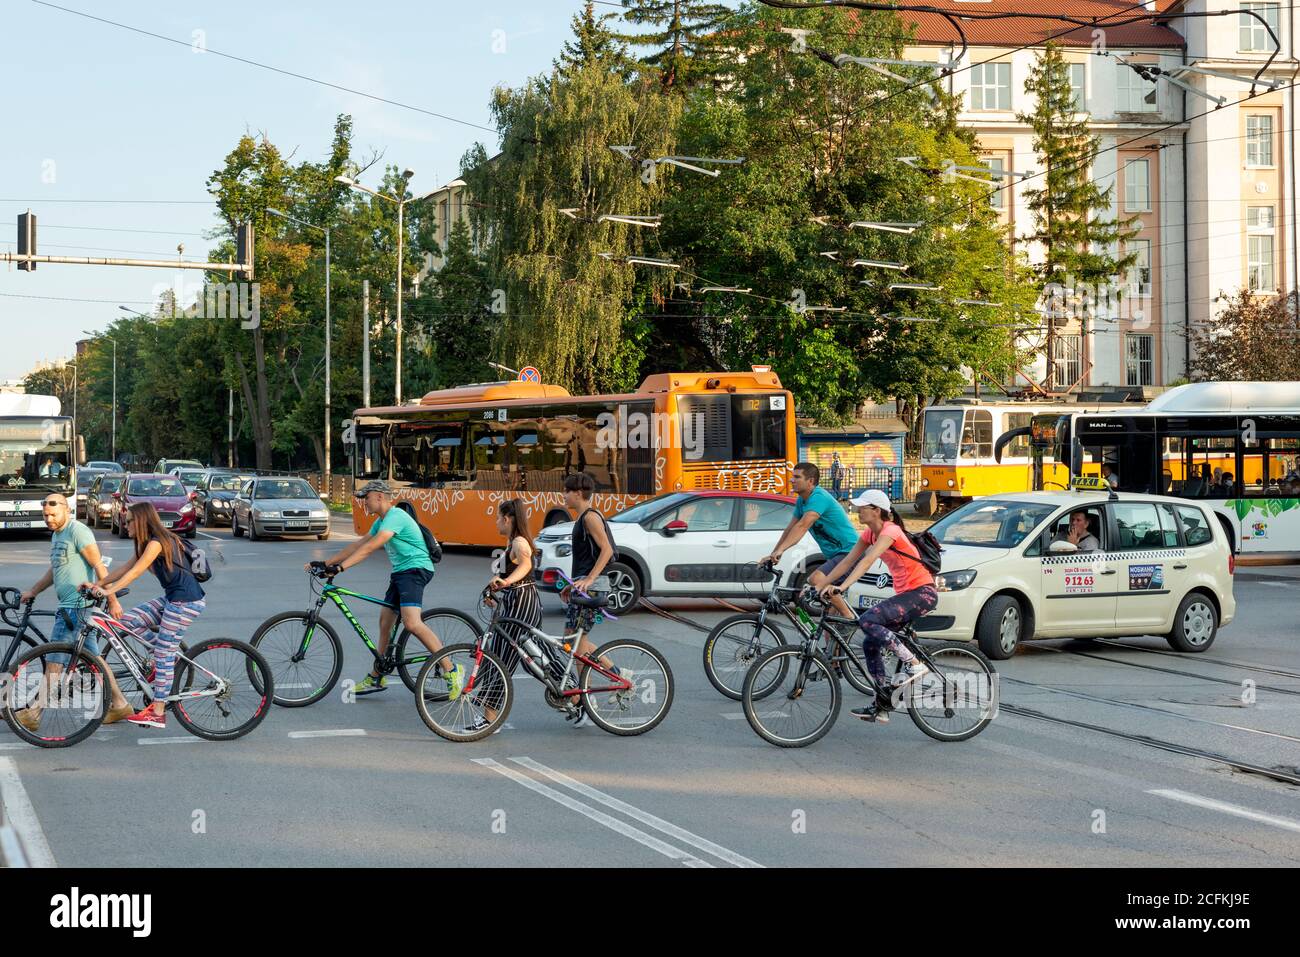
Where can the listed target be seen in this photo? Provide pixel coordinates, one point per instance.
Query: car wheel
(191, 533)
(1195, 625)
(625, 588)
(252, 531)
(235, 530)
(1000, 627)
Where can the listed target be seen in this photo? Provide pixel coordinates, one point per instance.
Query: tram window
(1202, 466)
(977, 436)
(939, 440)
(1271, 469)
(1019, 447)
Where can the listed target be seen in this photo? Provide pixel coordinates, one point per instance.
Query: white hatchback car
(687, 544)
(1164, 567)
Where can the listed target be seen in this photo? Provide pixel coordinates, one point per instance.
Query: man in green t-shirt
(74, 561)
(402, 541)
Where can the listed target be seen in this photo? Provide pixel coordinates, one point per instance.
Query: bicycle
(300, 659)
(960, 681)
(735, 643)
(220, 690)
(24, 634)
(574, 683)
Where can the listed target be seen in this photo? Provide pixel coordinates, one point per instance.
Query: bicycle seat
(589, 601)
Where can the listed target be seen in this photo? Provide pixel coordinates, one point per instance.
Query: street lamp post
(326, 230)
(400, 203)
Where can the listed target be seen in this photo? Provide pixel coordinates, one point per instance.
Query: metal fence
(340, 490)
(899, 482)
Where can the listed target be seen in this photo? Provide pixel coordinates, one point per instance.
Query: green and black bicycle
(306, 655)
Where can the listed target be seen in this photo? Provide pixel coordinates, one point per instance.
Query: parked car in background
(189, 477)
(105, 466)
(99, 498)
(166, 493)
(215, 493)
(279, 505)
(165, 466)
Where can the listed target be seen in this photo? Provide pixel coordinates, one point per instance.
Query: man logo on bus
(637, 430)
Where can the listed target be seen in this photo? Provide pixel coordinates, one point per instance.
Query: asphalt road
(366, 784)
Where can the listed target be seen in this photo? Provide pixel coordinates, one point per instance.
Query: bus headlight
(954, 581)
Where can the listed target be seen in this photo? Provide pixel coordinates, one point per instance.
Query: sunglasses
(52, 503)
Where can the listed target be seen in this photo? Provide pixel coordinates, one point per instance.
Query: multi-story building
(1213, 186)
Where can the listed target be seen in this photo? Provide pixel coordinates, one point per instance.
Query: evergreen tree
(1070, 208)
(593, 42)
(678, 36)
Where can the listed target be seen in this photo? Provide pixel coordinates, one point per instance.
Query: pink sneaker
(146, 718)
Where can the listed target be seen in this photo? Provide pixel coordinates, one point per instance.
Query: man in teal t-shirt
(403, 542)
(816, 512)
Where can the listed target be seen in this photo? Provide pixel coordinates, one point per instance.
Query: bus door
(1123, 450)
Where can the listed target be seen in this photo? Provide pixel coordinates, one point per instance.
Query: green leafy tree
(1254, 339)
(679, 36)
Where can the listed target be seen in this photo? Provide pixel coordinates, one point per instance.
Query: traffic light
(244, 248)
(27, 239)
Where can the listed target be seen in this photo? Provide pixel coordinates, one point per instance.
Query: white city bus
(36, 457)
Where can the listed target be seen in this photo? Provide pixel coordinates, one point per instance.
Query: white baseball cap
(873, 496)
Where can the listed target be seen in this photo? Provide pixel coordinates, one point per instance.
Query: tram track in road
(1174, 671)
(1281, 775)
(1219, 662)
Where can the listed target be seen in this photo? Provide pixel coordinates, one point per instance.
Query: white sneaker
(620, 697)
(916, 668)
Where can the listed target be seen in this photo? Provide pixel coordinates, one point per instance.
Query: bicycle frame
(21, 629)
(336, 594)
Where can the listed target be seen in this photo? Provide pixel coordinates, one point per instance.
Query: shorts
(406, 588)
(830, 562)
(62, 632)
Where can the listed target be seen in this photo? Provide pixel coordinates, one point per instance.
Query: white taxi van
(1148, 565)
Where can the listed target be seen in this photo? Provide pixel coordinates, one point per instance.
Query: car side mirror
(1062, 548)
(675, 526)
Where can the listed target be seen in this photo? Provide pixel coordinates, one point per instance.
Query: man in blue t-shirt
(816, 512)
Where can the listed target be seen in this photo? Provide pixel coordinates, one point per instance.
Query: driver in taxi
(1078, 534)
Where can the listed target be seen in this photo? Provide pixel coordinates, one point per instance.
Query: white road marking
(333, 733)
(188, 739)
(740, 715)
(213, 537)
(658, 823)
(1276, 584)
(1224, 807)
(22, 816)
(600, 817)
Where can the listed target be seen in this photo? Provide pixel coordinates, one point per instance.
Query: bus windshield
(35, 453)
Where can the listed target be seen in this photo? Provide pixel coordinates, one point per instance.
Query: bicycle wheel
(305, 661)
(958, 698)
(487, 686)
(733, 645)
(451, 627)
(628, 712)
(239, 674)
(71, 705)
(804, 704)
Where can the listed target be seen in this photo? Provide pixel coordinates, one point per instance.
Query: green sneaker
(370, 685)
(455, 682)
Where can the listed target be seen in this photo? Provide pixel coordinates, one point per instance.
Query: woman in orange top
(884, 537)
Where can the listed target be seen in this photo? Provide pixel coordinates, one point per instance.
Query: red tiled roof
(1019, 31)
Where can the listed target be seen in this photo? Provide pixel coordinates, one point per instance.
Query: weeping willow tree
(564, 305)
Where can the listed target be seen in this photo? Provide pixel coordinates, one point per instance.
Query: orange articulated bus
(459, 452)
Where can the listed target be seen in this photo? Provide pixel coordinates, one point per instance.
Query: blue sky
(107, 114)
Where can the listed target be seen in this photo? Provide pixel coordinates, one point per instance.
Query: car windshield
(991, 524)
(106, 466)
(191, 478)
(156, 488)
(639, 513)
(110, 484)
(226, 483)
(85, 477)
(284, 488)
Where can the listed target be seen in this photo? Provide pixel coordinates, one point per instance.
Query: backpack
(430, 543)
(927, 546)
(196, 559)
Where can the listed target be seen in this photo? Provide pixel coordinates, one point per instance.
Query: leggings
(162, 624)
(878, 623)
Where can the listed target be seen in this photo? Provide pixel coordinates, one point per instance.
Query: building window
(1259, 139)
(1259, 219)
(1077, 79)
(990, 86)
(1069, 360)
(996, 165)
(1259, 263)
(1254, 38)
(1137, 186)
(1139, 360)
(1133, 94)
(1140, 271)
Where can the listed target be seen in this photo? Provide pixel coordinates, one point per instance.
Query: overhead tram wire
(266, 66)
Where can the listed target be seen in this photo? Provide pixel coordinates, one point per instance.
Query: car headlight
(106, 506)
(218, 503)
(320, 514)
(187, 508)
(954, 581)
(259, 513)
(563, 550)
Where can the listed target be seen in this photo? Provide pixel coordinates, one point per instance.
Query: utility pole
(230, 429)
(365, 343)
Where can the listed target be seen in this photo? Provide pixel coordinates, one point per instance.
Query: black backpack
(430, 543)
(196, 560)
(927, 546)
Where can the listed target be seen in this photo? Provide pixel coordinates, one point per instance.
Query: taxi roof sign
(1090, 483)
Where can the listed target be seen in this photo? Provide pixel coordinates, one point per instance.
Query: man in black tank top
(592, 553)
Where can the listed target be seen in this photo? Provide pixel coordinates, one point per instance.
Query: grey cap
(378, 485)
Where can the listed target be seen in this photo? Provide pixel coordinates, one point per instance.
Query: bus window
(425, 456)
(491, 457)
(367, 461)
(1019, 447)
(977, 436)
(1269, 468)
(1202, 466)
(941, 431)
